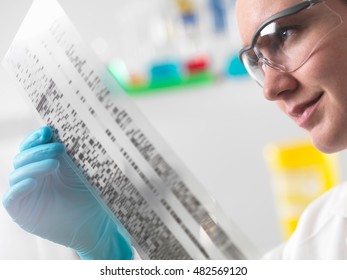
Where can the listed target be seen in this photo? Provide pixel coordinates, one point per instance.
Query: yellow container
(300, 173)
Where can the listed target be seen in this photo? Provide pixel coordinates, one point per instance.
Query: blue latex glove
(46, 198)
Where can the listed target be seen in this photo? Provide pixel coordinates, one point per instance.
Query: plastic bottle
(299, 173)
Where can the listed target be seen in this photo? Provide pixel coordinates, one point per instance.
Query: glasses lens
(286, 43)
(254, 66)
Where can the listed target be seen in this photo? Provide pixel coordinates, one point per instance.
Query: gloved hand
(47, 198)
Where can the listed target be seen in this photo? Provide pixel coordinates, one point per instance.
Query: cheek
(329, 62)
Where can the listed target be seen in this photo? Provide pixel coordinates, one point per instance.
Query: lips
(302, 112)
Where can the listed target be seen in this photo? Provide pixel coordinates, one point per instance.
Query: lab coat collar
(339, 201)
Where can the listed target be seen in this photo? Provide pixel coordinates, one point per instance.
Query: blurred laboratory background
(177, 60)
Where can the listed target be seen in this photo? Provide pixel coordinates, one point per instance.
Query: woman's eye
(285, 33)
(283, 38)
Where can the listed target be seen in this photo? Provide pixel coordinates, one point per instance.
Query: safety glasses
(286, 40)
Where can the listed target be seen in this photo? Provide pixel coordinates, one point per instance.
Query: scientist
(297, 51)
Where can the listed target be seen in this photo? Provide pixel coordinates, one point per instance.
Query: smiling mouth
(302, 113)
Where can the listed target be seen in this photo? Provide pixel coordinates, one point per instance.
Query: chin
(325, 149)
(326, 145)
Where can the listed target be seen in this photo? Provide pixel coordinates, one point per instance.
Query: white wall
(219, 131)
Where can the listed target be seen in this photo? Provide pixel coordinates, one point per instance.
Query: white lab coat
(321, 232)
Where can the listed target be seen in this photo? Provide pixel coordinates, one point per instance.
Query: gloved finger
(12, 198)
(38, 153)
(40, 136)
(33, 170)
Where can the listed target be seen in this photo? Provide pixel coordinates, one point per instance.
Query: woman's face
(315, 95)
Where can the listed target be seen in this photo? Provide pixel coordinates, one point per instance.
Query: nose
(277, 84)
